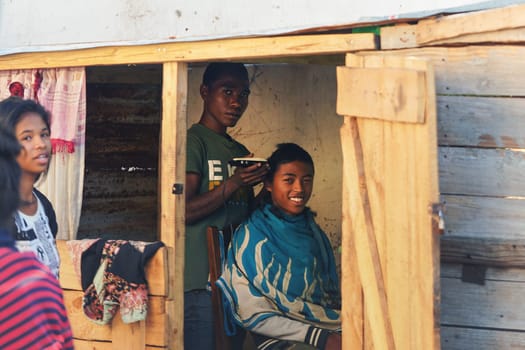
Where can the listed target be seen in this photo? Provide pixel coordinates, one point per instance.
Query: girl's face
(292, 186)
(33, 134)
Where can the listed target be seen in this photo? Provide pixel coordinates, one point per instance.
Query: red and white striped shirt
(32, 311)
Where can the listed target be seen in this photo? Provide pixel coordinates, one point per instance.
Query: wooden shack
(416, 128)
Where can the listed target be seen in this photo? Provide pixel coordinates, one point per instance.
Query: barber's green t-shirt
(208, 154)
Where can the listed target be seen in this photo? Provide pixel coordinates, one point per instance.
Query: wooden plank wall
(482, 161)
(481, 164)
(122, 143)
(91, 336)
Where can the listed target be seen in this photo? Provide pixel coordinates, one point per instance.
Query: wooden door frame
(377, 93)
(175, 58)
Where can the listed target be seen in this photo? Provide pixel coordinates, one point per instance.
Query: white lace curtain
(62, 92)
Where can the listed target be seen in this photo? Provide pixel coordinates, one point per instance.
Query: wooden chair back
(222, 342)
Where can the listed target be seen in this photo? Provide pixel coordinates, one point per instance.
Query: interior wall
(288, 103)
(122, 145)
(292, 103)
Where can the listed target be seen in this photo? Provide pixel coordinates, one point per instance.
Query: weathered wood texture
(122, 147)
(481, 141)
(486, 252)
(483, 122)
(89, 335)
(391, 172)
(481, 164)
(483, 317)
(399, 95)
(485, 306)
(225, 49)
(173, 170)
(500, 25)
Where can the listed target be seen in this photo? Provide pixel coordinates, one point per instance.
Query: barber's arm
(199, 206)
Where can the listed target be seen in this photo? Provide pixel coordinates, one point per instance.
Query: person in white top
(35, 219)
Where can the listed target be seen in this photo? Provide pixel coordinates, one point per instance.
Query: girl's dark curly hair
(9, 177)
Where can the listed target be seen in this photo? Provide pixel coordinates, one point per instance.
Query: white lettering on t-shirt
(231, 170)
(215, 170)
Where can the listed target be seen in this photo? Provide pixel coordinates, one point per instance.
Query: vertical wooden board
(424, 254)
(409, 184)
(172, 171)
(412, 193)
(373, 143)
(351, 290)
(367, 247)
(397, 257)
(366, 251)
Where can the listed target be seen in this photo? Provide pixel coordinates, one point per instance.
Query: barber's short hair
(9, 177)
(215, 70)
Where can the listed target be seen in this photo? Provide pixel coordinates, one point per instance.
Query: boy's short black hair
(215, 70)
(287, 153)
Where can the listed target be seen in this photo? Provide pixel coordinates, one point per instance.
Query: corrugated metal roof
(32, 26)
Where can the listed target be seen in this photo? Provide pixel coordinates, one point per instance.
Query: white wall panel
(28, 25)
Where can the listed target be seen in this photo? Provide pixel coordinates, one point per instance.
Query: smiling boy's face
(292, 187)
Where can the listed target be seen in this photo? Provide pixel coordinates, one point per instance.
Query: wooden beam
(224, 49)
(386, 94)
(445, 27)
(172, 203)
(402, 36)
(504, 36)
(492, 252)
(501, 25)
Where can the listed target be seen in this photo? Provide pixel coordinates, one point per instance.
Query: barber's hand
(250, 176)
(334, 342)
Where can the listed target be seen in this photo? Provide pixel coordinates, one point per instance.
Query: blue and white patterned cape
(281, 265)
